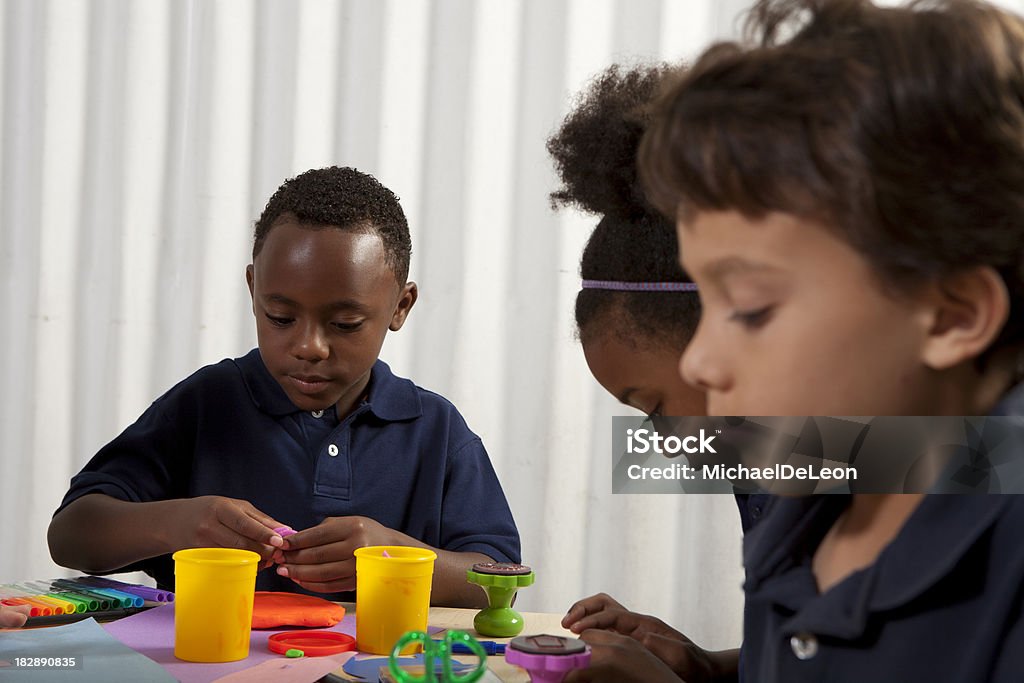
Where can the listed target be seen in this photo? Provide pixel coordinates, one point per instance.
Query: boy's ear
(248, 281)
(970, 309)
(405, 303)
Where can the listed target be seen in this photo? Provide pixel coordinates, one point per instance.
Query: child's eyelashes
(655, 412)
(285, 321)
(752, 319)
(279, 321)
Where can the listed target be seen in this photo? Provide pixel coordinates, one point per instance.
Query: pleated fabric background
(140, 140)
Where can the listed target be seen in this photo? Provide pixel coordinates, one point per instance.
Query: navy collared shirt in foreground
(943, 602)
(404, 457)
(752, 508)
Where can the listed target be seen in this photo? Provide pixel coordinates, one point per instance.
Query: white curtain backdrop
(140, 140)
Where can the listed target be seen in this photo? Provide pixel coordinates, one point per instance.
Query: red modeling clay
(271, 610)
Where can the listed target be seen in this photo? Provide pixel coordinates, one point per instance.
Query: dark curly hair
(594, 152)
(899, 128)
(343, 198)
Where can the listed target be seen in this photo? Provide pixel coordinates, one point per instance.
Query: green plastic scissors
(438, 650)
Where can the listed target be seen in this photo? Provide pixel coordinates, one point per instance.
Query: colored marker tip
(386, 554)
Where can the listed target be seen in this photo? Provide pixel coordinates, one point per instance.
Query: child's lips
(309, 384)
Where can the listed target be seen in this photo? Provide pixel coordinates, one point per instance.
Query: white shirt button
(804, 645)
(317, 413)
(332, 450)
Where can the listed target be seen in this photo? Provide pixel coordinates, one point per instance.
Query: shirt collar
(794, 524)
(936, 537)
(944, 529)
(390, 398)
(803, 521)
(939, 533)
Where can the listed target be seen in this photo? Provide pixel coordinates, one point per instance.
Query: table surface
(462, 619)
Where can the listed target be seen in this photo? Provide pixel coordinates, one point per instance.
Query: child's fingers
(221, 535)
(282, 532)
(601, 649)
(575, 613)
(331, 574)
(596, 603)
(331, 530)
(590, 605)
(320, 554)
(248, 523)
(675, 653)
(236, 530)
(229, 539)
(14, 616)
(598, 637)
(619, 659)
(608, 619)
(251, 522)
(264, 519)
(270, 533)
(339, 586)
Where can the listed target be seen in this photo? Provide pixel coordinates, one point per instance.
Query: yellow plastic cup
(213, 596)
(392, 595)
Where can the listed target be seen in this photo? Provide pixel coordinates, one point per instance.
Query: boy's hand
(620, 659)
(14, 616)
(218, 522)
(320, 558)
(601, 611)
(685, 658)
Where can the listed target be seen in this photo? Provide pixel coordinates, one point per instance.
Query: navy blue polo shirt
(943, 602)
(752, 507)
(404, 457)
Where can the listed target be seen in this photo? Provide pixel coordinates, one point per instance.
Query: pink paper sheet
(152, 634)
(301, 670)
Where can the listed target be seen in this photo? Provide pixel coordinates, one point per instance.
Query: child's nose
(702, 365)
(311, 344)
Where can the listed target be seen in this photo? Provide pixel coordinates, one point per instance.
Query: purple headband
(640, 286)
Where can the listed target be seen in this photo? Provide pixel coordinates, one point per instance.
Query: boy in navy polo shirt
(309, 431)
(848, 186)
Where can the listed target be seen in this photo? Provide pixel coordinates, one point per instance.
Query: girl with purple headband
(637, 308)
(635, 313)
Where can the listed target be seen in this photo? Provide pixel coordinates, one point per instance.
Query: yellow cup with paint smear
(213, 597)
(392, 595)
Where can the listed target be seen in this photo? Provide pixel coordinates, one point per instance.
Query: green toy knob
(500, 580)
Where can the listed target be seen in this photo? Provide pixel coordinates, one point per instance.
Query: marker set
(64, 600)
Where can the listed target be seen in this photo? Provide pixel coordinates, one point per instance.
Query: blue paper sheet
(99, 657)
(366, 668)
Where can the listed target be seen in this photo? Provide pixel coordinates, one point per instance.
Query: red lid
(312, 643)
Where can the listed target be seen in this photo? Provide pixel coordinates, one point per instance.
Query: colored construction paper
(367, 668)
(152, 634)
(488, 675)
(281, 670)
(102, 658)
